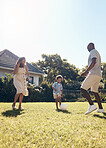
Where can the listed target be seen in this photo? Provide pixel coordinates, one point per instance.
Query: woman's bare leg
(16, 98)
(20, 100)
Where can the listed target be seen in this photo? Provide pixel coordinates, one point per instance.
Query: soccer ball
(63, 106)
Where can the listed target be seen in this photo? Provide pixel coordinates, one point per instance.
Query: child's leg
(56, 99)
(59, 100)
(56, 103)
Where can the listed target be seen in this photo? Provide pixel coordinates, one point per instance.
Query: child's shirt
(57, 86)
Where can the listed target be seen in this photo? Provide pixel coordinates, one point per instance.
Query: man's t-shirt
(57, 86)
(96, 70)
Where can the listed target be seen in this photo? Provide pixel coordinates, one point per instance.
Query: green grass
(41, 126)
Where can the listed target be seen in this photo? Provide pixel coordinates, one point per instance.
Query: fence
(76, 95)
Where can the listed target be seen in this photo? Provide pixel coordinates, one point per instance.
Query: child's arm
(54, 88)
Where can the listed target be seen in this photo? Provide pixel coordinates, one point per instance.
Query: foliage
(7, 90)
(41, 126)
(104, 74)
(36, 94)
(52, 65)
(43, 93)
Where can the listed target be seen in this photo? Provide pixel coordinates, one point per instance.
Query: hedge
(39, 94)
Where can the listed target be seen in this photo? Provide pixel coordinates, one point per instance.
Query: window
(31, 79)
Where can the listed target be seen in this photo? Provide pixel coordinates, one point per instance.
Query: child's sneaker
(91, 109)
(100, 111)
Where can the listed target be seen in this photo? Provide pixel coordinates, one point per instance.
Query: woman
(20, 70)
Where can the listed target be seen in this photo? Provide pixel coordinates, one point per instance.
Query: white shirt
(96, 70)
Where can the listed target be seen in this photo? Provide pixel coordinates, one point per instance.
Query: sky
(31, 28)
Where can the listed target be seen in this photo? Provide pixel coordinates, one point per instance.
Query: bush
(7, 90)
(43, 93)
(36, 94)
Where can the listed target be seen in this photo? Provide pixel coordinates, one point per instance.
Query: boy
(58, 90)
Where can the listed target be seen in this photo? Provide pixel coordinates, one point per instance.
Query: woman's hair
(20, 60)
(59, 76)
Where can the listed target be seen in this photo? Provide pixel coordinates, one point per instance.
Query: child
(58, 90)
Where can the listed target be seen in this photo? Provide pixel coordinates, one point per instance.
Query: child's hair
(59, 76)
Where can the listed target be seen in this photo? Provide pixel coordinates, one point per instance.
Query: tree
(104, 74)
(53, 65)
(104, 71)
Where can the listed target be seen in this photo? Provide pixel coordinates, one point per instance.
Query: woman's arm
(27, 72)
(16, 68)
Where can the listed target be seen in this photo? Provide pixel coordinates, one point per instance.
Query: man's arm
(89, 68)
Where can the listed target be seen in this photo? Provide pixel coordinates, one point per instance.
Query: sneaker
(13, 106)
(100, 111)
(91, 108)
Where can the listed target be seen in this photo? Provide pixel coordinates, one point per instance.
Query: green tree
(53, 65)
(104, 74)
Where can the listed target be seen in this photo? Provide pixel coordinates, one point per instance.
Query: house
(7, 62)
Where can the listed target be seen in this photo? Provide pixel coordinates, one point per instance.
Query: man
(93, 78)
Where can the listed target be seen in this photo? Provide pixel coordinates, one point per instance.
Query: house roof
(8, 60)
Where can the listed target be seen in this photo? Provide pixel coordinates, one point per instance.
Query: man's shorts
(91, 81)
(56, 96)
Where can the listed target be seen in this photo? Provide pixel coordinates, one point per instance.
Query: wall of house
(35, 78)
(3, 71)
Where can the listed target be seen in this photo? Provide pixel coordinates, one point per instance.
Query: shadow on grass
(12, 113)
(102, 117)
(64, 111)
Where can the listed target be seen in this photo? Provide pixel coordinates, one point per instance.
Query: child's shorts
(56, 96)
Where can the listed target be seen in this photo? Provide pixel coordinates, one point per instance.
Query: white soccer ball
(63, 106)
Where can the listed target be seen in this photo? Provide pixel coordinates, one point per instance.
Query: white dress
(20, 82)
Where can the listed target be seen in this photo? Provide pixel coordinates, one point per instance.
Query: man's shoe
(100, 111)
(91, 109)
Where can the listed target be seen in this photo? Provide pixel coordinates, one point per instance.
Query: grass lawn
(41, 126)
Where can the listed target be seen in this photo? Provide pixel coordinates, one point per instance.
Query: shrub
(43, 93)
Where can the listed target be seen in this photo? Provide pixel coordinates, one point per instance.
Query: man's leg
(97, 97)
(92, 107)
(87, 96)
